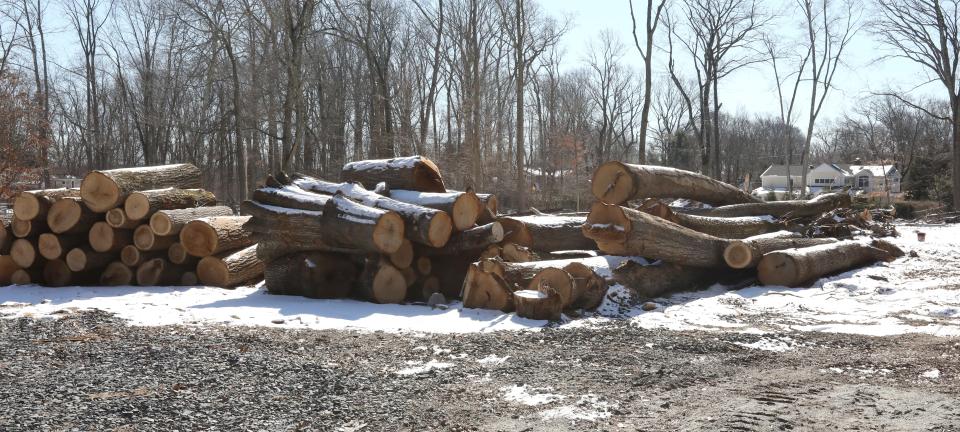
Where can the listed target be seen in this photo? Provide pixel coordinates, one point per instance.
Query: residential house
(827, 177)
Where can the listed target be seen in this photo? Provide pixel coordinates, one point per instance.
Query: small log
(6, 237)
(70, 216)
(228, 271)
(170, 222)
(7, 267)
(403, 257)
(381, 282)
(799, 267)
(131, 256)
(104, 238)
(213, 235)
(27, 276)
(724, 227)
(512, 252)
(414, 173)
(311, 274)
(159, 272)
(145, 240)
(472, 240)
(177, 254)
(53, 246)
(747, 253)
(140, 205)
(35, 204)
(542, 304)
(28, 228)
(56, 273)
(116, 274)
(616, 183)
(117, 218)
(24, 252)
(486, 290)
(463, 207)
(104, 190)
(84, 258)
(783, 209)
(424, 266)
(189, 278)
(546, 233)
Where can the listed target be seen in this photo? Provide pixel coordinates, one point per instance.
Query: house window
(863, 181)
(823, 181)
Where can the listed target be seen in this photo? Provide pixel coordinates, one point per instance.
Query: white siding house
(827, 177)
(774, 178)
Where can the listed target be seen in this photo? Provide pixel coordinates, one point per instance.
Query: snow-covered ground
(913, 294)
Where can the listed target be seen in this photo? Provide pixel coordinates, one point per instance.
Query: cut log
(140, 205)
(7, 267)
(747, 253)
(159, 272)
(177, 254)
(423, 225)
(493, 251)
(491, 206)
(26, 229)
(56, 273)
(403, 257)
(189, 278)
(414, 173)
(538, 304)
(213, 235)
(380, 282)
(798, 267)
(534, 276)
(30, 205)
(311, 274)
(117, 218)
(84, 258)
(616, 183)
(486, 290)
(104, 238)
(116, 274)
(24, 252)
(291, 197)
(588, 287)
(104, 190)
(53, 246)
(463, 207)
(28, 276)
(343, 224)
(145, 240)
(512, 252)
(783, 209)
(724, 227)
(131, 256)
(424, 266)
(472, 240)
(170, 222)
(230, 270)
(70, 216)
(6, 237)
(546, 233)
(622, 231)
(646, 281)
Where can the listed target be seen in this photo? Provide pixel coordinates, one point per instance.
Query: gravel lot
(91, 371)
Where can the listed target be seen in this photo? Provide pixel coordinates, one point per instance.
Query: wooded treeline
(242, 88)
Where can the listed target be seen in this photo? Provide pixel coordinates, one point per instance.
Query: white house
(826, 177)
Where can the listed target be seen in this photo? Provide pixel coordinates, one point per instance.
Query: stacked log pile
(144, 226)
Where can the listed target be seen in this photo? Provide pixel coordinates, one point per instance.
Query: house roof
(781, 170)
(874, 170)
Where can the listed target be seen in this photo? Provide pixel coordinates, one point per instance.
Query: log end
(213, 271)
(428, 178)
(588, 287)
(143, 238)
(23, 253)
(466, 211)
(777, 268)
(424, 265)
(130, 255)
(515, 231)
(607, 225)
(403, 257)
(26, 206)
(557, 280)
(738, 255)
(387, 235)
(49, 246)
(441, 226)
(64, 215)
(189, 279)
(76, 259)
(116, 218)
(99, 192)
(612, 183)
(200, 239)
(538, 305)
(161, 224)
(177, 254)
(116, 274)
(389, 285)
(101, 237)
(21, 277)
(136, 206)
(21, 227)
(148, 273)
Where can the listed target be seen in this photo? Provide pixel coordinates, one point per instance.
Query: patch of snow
(424, 198)
(520, 394)
(493, 359)
(551, 220)
(383, 164)
(531, 294)
(614, 227)
(764, 344)
(424, 368)
(588, 407)
(931, 374)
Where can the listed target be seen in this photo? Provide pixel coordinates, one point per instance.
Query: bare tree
(652, 22)
(787, 102)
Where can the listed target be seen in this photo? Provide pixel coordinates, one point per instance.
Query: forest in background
(243, 88)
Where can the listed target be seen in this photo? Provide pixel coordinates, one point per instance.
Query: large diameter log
(588, 287)
(132, 256)
(104, 238)
(230, 270)
(747, 253)
(116, 274)
(7, 267)
(145, 240)
(311, 274)
(30, 205)
(104, 190)
(414, 173)
(622, 231)
(213, 235)
(789, 209)
(724, 227)
(798, 267)
(463, 207)
(6, 237)
(117, 218)
(538, 304)
(546, 233)
(28, 228)
(142, 204)
(84, 258)
(472, 240)
(70, 216)
(170, 222)
(616, 183)
(381, 282)
(159, 271)
(486, 290)
(646, 281)
(424, 225)
(53, 246)
(533, 276)
(24, 252)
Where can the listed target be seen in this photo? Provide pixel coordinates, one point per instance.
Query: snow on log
(799, 267)
(747, 253)
(546, 233)
(472, 240)
(311, 274)
(232, 269)
(414, 173)
(463, 207)
(724, 227)
(104, 190)
(140, 205)
(170, 222)
(104, 238)
(617, 182)
(544, 304)
(792, 209)
(34, 204)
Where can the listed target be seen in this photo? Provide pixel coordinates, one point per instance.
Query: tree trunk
(616, 183)
(784, 209)
(798, 267)
(381, 282)
(140, 205)
(170, 222)
(70, 216)
(415, 173)
(104, 190)
(104, 238)
(311, 274)
(463, 207)
(213, 235)
(116, 274)
(145, 240)
(53, 246)
(230, 270)
(472, 240)
(546, 233)
(747, 253)
(30, 205)
(731, 228)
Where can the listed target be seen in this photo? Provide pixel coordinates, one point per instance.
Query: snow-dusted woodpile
(144, 226)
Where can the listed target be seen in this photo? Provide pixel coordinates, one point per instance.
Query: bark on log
(622, 231)
(213, 235)
(170, 222)
(533, 276)
(7, 267)
(414, 173)
(543, 304)
(116, 274)
(463, 207)
(731, 228)
(56, 273)
(423, 225)
(145, 240)
(159, 272)
(798, 267)
(486, 290)
(6, 237)
(512, 252)
(53, 246)
(70, 216)
(177, 254)
(84, 258)
(546, 233)
(131, 256)
(117, 218)
(646, 281)
(588, 287)
(616, 183)
(472, 240)
(491, 208)
(783, 209)
(291, 197)
(140, 205)
(311, 274)
(26, 229)
(104, 190)
(232, 269)
(747, 253)
(104, 238)
(24, 252)
(30, 205)
(403, 257)
(381, 282)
